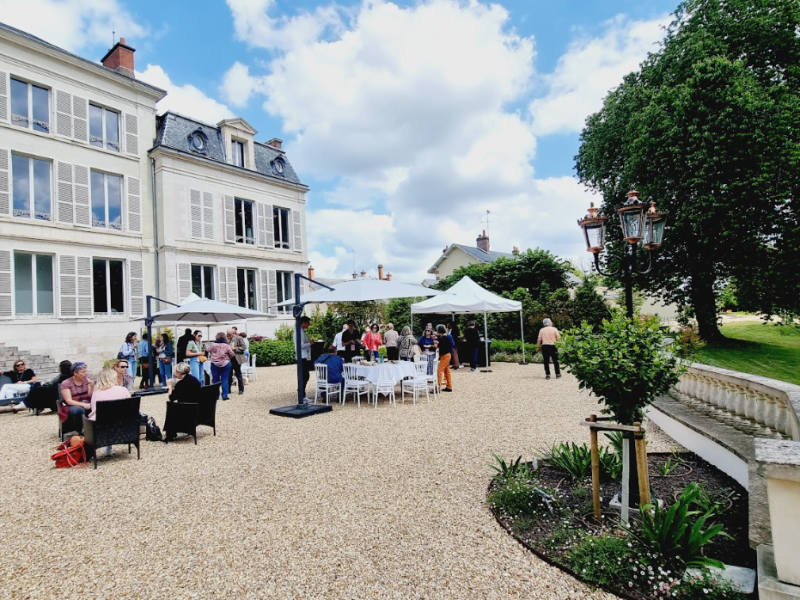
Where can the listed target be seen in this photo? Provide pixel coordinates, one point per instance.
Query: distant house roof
(157, 92)
(176, 131)
(480, 255)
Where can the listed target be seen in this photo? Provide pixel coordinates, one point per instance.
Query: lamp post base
(299, 411)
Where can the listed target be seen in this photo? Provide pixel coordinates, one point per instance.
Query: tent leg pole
(486, 342)
(522, 332)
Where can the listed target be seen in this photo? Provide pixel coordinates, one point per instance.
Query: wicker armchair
(42, 397)
(116, 422)
(185, 417)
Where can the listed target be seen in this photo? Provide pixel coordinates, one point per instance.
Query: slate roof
(484, 257)
(97, 65)
(175, 130)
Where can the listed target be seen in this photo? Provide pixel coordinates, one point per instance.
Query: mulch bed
(577, 498)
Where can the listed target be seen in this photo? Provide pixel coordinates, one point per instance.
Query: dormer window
(198, 141)
(278, 165)
(237, 153)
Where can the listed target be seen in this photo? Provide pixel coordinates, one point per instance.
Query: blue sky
(408, 120)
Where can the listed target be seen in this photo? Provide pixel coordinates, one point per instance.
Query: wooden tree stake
(641, 463)
(595, 470)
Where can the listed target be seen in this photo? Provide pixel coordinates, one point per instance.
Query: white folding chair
(384, 386)
(418, 384)
(433, 379)
(356, 359)
(252, 372)
(354, 385)
(328, 389)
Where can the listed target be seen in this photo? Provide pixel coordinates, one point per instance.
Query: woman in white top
(390, 339)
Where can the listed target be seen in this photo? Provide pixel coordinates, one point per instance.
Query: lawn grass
(766, 350)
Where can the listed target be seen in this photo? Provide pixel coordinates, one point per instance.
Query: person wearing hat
(77, 394)
(546, 344)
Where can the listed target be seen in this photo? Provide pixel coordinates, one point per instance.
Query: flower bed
(550, 512)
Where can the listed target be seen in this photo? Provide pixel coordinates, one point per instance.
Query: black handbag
(153, 431)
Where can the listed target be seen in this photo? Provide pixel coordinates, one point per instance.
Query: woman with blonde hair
(107, 388)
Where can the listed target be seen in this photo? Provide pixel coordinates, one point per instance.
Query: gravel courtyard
(357, 503)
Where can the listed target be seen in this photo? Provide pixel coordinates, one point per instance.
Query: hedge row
(511, 347)
(273, 351)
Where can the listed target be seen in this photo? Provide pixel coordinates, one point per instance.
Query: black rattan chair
(42, 397)
(116, 422)
(184, 417)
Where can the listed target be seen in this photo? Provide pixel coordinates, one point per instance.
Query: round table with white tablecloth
(386, 371)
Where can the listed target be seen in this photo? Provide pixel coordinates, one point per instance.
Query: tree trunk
(704, 302)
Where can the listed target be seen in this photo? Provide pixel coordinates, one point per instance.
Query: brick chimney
(388, 277)
(363, 273)
(310, 272)
(380, 272)
(483, 241)
(120, 58)
(355, 275)
(276, 143)
(515, 251)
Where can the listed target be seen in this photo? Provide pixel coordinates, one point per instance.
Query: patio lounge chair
(185, 417)
(116, 422)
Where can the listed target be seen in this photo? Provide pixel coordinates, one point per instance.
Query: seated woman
(21, 380)
(108, 388)
(123, 377)
(184, 387)
(76, 393)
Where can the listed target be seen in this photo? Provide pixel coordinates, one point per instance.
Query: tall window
(30, 106)
(247, 287)
(237, 153)
(203, 281)
(106, 200)
(244, 221)
(280, 226)
(33, 283)
(32, 187)
(103, 128)
(284, 289)
(109, 291)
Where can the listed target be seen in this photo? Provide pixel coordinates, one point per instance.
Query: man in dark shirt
(351, 340)
(473, 341)
(335, 364)
(183, 341)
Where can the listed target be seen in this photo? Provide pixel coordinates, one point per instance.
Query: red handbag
(69, 453)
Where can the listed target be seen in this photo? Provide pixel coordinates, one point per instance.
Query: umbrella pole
(152, 382)
(486, 342)
(298, 341)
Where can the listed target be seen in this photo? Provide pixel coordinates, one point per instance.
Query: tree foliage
(708, 127)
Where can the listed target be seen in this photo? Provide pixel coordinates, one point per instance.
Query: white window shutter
(298, 230)
(85, 306)
(5, 182)
(65, 205)
(63, 114)
(222, 284)
(68, 286)
(269, 226)
(272, 292)
(6, 311)
(136, 287)
(83, 207)
(233, 286)
(131, 134)
(261, 238)
(134, 204)
(3, 96)
(208, 216)
(184, 280)
(80, 119)
(195, 214)
(230, 219)
(263, 277)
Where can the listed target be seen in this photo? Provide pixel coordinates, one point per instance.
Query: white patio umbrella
(466, 296)
(208, 311)
(363, 290)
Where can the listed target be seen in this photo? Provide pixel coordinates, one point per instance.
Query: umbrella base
(299, 411)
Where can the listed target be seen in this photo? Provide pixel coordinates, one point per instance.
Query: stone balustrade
(756, 405)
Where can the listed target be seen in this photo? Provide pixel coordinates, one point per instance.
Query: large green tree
(708, 127)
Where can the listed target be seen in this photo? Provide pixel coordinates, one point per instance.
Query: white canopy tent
(468, 297)
(363, 290)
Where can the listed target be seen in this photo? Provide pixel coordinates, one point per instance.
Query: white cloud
(185, 99)
(590, 68)
(237, 85)
(74, 25)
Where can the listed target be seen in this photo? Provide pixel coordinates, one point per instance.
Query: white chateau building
(102, 203)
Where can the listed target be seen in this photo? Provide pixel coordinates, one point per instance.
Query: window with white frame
(244, 221)
(106, 200)
(33, 284)
(30, 106)
(237, 153)
(203, 281)
(281, 227)
(103, 128)
(32, 187)
(284, 289)
(246, 278)
(108, 285)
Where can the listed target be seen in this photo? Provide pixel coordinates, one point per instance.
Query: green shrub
(603, 559)
(284, 333)
(708, 587)
(512, 471)
(273, 351)
(511, 347)
(574, 460)
(623, 363)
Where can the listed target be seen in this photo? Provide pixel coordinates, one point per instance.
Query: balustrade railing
(756, 405)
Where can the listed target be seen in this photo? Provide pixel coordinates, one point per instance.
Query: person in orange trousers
(445, 345)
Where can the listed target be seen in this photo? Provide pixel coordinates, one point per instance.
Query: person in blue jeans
(220, 354)
(335, 364)
(165, 358)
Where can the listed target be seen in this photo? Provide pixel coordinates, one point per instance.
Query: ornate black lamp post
(640, 225)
